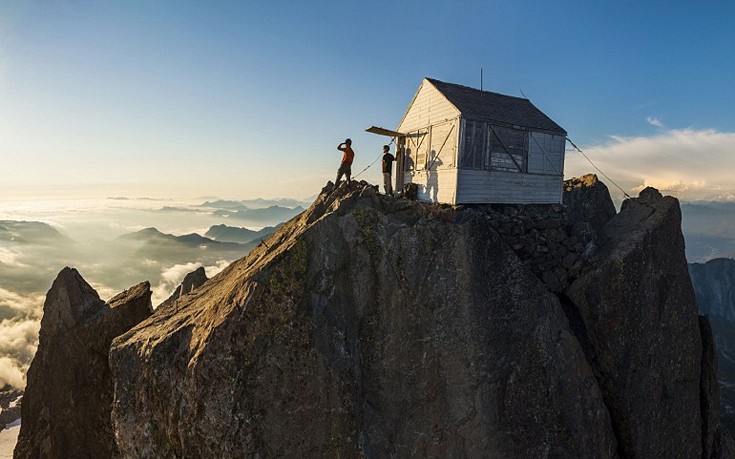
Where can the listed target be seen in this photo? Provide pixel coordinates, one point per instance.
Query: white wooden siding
(546, 154)
(477, 186)
(435, 185)
(428, 107)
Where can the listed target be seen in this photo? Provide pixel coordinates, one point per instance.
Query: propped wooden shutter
(441, 150)
(418, 142)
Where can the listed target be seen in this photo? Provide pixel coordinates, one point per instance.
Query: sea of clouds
(19, 324)
(90, 240)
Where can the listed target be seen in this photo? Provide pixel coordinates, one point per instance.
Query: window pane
(473, 144)
(515, 141)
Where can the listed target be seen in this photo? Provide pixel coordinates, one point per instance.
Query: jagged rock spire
(67, 402)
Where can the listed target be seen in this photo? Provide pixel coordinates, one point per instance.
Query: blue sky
(245, 99)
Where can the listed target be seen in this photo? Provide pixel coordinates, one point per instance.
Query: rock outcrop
(589, 203)
(373, 326)
(640, 318)
(67, 402)
(192, 281)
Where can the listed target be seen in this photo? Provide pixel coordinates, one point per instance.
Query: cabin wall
(485, 186)
(435, 185)
(431, 162)
(428, 107)
(546, 153)
(432, 126)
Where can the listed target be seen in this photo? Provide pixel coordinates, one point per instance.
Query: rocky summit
(372, 326)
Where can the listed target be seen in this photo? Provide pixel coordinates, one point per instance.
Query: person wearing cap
(387, 169)
(347, 156)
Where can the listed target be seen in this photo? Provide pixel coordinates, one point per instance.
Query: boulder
(588, 202)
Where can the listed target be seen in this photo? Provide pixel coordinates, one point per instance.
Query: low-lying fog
(103, 239)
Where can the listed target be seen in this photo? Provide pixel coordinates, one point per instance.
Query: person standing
(347, 156)
(387, 169)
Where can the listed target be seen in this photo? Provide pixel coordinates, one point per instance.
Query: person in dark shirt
(387, 169)
(347, 156)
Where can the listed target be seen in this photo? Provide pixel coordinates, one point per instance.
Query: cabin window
(473, 145)
(514, 158)
(491, 147)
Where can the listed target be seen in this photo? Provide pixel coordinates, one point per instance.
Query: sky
(239, 99)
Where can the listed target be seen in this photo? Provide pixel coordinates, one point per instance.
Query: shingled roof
(491, 106)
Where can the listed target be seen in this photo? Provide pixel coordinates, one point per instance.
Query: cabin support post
(400, 148)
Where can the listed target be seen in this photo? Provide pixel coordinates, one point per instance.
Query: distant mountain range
(220, 242)
(152, 237)
(31, 251)
(272, 213)
(709, 229)
(224, 233)
(28, 231)
(224, 204)
(255, 211)
(257, 203)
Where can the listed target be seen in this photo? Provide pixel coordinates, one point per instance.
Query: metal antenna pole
(480, 78)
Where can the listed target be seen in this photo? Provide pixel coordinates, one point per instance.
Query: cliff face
(370, 326)
(639, 317)
(66, 405)
(714, 287)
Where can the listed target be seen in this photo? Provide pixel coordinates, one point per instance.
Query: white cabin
(461, 145)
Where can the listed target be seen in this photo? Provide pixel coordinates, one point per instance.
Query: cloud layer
(687, 163)
(21, 320)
